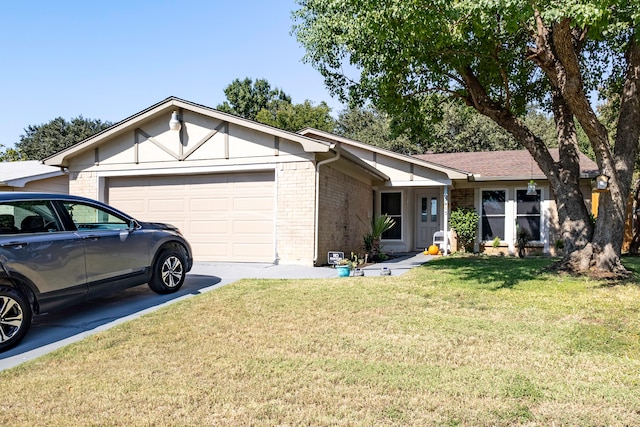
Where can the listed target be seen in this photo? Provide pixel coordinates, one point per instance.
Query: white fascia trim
(421, 183)
(197, 170)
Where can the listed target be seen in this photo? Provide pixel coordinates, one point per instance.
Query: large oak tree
(498, 57)
(46, 139)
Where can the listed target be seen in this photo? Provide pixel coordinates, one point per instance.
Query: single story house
(247, 192)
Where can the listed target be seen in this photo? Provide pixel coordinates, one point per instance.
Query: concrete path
(51, 331)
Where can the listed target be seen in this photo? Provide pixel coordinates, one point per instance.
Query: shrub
(465, 222)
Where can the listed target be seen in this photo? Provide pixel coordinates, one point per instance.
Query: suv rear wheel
(168, 272)
(15, 317)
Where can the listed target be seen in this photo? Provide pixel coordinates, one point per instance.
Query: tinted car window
(28, 217)
(88, 217)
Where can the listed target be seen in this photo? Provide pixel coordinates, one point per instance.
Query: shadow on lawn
(494, 272)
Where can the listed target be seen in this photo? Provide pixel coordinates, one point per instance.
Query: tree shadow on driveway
(51, 331)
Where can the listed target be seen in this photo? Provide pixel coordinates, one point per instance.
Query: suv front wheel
(15, 317)
(168, 272)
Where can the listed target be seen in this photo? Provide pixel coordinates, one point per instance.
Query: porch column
(445, 206)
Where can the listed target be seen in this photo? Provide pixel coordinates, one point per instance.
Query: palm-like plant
(379, 224)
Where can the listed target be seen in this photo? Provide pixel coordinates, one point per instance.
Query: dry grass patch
(460, 341)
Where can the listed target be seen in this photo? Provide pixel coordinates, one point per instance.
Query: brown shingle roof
(501, 165)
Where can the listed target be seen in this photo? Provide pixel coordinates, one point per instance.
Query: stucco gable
(161, 113)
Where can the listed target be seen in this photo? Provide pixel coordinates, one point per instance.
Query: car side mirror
(133, 225)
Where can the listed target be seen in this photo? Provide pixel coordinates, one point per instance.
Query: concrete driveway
(51, 331)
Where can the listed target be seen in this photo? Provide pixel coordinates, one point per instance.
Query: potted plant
(345, 265)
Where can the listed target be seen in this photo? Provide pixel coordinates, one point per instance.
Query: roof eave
(61, 158)
(453, 174)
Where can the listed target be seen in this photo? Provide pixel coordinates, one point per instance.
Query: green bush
(465, 222)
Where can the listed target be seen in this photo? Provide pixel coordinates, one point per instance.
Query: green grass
(461, 341)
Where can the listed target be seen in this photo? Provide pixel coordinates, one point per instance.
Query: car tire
(169, 272)
(15, 317)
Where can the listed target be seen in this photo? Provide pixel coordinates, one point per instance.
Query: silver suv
(57, 250)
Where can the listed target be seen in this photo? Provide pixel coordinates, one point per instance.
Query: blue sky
(109, 60)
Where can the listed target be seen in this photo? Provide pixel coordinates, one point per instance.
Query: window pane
(528, 212)
(434, 210)
(395, 232)
(531, 224)
(423, 210)
(87, 217)
(528, 204)
(492, 226)
(493, 202)
(28, 217)
(391, 204)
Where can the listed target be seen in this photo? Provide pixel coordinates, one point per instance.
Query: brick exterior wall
(83, 184)
(462, 198)
(345, 203)
(296, 212)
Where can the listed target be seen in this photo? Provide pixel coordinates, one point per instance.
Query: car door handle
(90, 237)
(14, 245)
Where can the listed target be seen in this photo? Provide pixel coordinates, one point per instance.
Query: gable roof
(18, 174)
(451, 171)
(503, 165)
(165, 108)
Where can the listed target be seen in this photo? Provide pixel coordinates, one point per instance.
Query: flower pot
(343, 270)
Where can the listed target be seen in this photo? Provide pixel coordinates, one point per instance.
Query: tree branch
(571, 86)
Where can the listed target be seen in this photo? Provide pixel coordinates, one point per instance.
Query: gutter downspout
(317, 207)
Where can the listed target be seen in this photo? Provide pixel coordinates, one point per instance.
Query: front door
(428, 217)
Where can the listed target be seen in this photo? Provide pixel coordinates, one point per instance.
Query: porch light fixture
(601, 183)
(531, 186)
(174, 123)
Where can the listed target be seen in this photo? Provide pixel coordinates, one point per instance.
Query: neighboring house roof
(503, 165)
(18, 174)
(165, 107)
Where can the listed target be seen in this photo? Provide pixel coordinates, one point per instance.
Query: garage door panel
(248, 251)
(166, 205)
(255, 228)
(225, 217)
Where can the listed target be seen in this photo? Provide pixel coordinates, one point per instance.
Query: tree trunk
(563, 175)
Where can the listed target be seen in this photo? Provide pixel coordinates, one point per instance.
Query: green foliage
(460, 128)
(258, 101)
(372, 245)
(8, 154)
(246, 98)
(371, 126)
(496, 242)
(46, 139)
(465, 222)
(500, 58)
(294, 117)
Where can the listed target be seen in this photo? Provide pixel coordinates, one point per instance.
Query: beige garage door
(225, 217)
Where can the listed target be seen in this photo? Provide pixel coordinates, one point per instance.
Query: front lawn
(470, 341)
